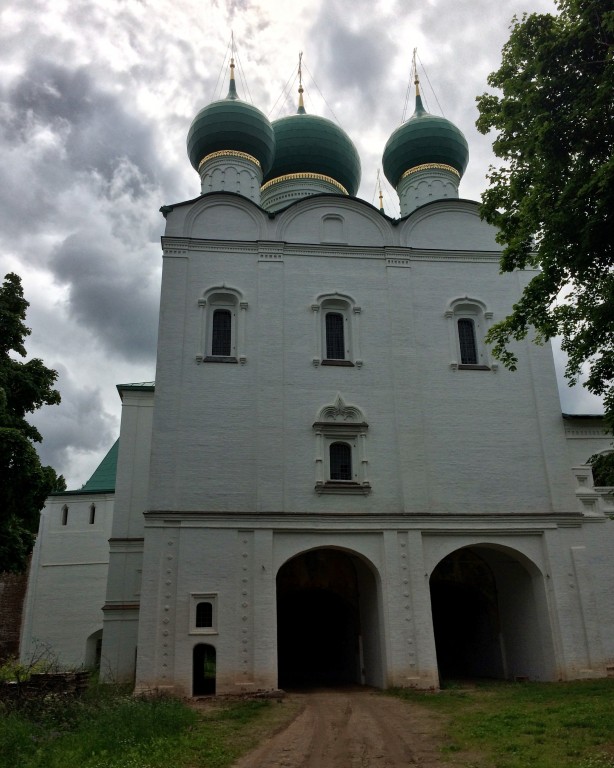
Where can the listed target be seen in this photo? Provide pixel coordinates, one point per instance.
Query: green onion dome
(424, 140)
(308, 144)
(231, 125)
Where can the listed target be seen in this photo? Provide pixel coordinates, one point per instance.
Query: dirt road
(352, 729)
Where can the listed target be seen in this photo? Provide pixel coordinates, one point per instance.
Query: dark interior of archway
(318, 623)
(466, 617)
(203, 670)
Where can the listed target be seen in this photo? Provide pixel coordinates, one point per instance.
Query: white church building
(332, 481)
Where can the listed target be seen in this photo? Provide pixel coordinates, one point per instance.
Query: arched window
(204, 615)
(92, 513)
(221, 334)
(468, 323)
(340, 461)
(223, 326)
(467, 342)
(335, 337)
(64, 515)
(336, 326)
(341, 455)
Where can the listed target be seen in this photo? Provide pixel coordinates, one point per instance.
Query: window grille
(467, 343)
(204, 615)
(340, 461)
(335, 341)
(222, 333)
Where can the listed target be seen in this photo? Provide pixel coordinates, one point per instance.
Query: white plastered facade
(224, 475)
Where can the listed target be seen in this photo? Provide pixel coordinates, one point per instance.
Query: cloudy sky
(96, 98)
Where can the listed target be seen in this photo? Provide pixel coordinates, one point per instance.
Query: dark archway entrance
(466, 617)
(203, 670)
(327, 621)
(490, 616)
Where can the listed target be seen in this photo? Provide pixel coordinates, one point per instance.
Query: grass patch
(514, 725)
(108, 728)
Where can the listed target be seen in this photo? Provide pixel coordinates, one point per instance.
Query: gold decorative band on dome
(229, 153)
(305, 175)
(430, 167)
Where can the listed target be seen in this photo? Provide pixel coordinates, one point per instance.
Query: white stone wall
(123, 588)
(454, 457)
(67, 583)
(216, 483)
(494, 437)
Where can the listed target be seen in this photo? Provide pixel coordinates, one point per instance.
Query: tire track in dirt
(352, 729)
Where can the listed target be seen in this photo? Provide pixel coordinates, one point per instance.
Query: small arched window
(469, 320)
(204, 615)
(341, 455)
(340, 461)
(64, 515)
(467, 342)
(223, 326)
(92, 513)
(336, 331)
(335, 337)
(221, 334)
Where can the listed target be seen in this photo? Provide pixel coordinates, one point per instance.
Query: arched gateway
(490, 616)
(328, 625)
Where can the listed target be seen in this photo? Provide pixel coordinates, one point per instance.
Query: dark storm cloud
(80, 424)
(95, 128)
(114, 298)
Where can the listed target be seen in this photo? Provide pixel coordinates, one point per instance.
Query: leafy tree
(24, 387)
(553, 195)
(602, 465)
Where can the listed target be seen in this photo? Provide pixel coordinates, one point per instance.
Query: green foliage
(553, 195)
(512, 725)
(603, 469)
(109, 728)
(24, 387)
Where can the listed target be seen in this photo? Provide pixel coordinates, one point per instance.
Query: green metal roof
(424, 138)
(231, 124)
(103, 478)
(140, 386)
(312, 144)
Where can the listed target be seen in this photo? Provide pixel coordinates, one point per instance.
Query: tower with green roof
(312, 155)
(231, 145)
(425, 158)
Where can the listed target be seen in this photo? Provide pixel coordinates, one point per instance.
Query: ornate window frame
(341, 423)
(222, 297)
(475, 310)
(345, 305)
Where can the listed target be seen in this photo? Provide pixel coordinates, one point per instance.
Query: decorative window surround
(474, 310)
(225, 298)
(344, 305)
(203, 597)
(341, 423)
